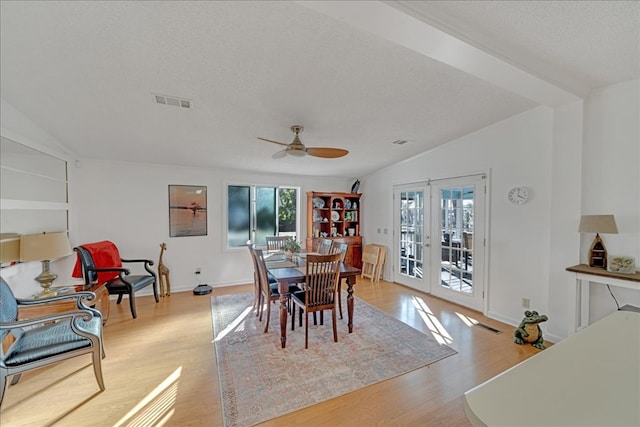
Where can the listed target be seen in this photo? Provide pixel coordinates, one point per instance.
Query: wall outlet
(198, 270)
(525, 302)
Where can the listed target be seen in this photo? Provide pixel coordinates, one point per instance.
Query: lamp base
(47, 293)
(598, 253)
(46, 279)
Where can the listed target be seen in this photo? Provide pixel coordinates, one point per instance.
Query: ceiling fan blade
(326, 152)
(280, 154)
(275, 142)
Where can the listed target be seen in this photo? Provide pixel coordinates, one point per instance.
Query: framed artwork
(187, 210)
(621, 264)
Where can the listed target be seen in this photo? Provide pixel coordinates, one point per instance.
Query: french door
(458, 210)
(411, 250)
(439, 235)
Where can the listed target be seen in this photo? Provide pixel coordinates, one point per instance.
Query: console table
(579, 290)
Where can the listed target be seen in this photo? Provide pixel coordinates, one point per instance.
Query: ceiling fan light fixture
(296, 151)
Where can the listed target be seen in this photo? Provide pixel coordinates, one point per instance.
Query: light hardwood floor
(161, 368)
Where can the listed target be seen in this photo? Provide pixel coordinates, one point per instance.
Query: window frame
(252, 210)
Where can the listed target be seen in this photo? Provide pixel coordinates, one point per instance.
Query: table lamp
(9, 248)
(598, 224)
(44, 247)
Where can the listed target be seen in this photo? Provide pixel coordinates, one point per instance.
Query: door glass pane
(456, 262)
(238, 215)
(411, 233)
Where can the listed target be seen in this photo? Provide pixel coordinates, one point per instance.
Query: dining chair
(322, 276)
(268, 288)
(324, 246)
(257, 294)
(276, 243)
(339, 247)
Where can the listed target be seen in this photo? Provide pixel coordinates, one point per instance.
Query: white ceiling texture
(357, 75)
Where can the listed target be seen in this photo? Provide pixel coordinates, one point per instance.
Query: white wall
(576, 159)
(127, 203)
(611, 180)
(517, 151)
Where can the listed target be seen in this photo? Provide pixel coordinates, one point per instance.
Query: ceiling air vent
(172, 100)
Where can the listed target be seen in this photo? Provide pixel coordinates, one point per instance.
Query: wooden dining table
(292, 272)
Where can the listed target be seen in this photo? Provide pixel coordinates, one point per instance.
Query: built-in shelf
(33, 189)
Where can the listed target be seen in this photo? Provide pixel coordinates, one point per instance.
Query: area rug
(259, 380)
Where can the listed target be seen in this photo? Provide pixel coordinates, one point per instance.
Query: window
(254, 212)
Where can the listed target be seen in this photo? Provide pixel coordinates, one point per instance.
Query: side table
(579, 279)
(101, 303)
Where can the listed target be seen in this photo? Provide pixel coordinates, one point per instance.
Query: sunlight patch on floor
(437, 330)
(157, 407)
(232, 326)
(469, 321)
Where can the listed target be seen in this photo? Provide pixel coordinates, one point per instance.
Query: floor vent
(488, 328)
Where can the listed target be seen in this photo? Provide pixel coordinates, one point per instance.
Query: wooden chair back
(276, 243)
(324, 246)
(339, 247)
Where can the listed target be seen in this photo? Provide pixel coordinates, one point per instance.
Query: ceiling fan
(297, 149)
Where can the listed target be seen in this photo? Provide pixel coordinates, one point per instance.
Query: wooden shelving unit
(335, 216)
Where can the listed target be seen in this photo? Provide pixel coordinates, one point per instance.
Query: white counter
(591, 378)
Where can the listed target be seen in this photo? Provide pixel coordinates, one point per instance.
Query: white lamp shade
(44, 246)
(598, 224)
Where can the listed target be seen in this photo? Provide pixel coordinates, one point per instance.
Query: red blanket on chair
(105, 255)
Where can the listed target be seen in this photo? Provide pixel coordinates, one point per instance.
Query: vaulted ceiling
(357, 75)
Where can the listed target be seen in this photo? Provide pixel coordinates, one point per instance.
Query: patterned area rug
(259, 380)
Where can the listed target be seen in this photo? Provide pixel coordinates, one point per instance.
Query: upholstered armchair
(37, 342)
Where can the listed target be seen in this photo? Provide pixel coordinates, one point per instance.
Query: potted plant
(291, 246)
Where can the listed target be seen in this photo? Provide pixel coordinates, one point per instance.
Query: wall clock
(518, 195)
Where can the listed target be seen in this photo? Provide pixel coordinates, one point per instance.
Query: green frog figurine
(529, 331)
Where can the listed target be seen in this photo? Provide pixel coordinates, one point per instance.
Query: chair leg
(306, 330)
(266, 324)
(335, 326)
(132, 304)
(3, 385)
(339, 296)
(15, 379)
(155, 290)
(97, 367)
(119, 298)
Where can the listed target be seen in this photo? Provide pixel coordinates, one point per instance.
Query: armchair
(119, 280)
(49, 339)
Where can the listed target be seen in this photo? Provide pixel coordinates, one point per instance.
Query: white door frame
(421, 248)
(475, 298)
